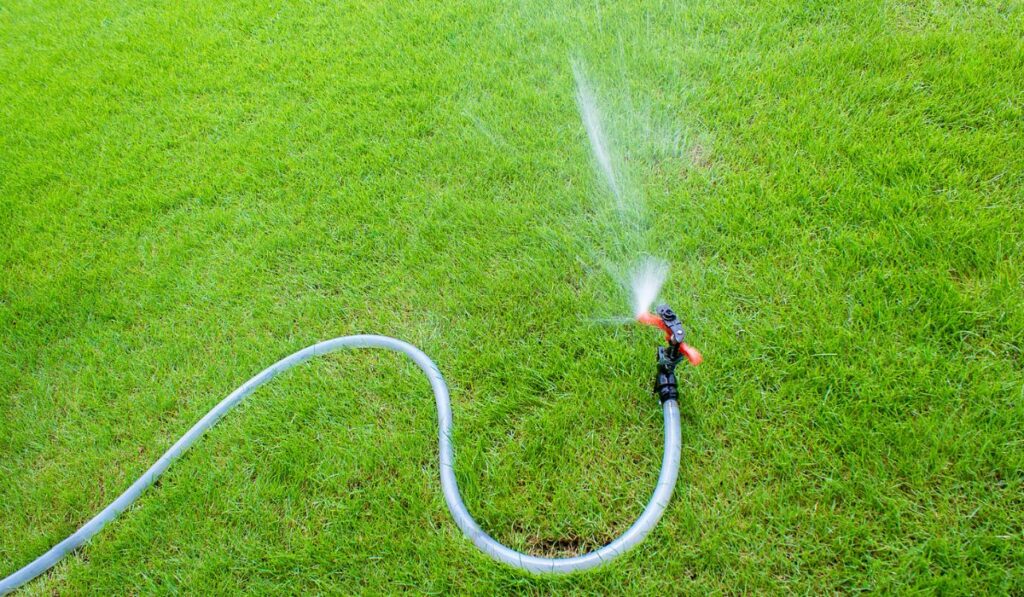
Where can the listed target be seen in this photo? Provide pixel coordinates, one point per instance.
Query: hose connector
(665, 384)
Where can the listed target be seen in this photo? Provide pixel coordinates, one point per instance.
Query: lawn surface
(189, 192)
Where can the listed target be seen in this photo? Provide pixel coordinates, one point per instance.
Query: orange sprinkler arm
(692, 354)
(654, 321)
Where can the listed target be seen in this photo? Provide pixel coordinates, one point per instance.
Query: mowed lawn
(192, 190)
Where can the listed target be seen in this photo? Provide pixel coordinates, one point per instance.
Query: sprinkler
(665, 387)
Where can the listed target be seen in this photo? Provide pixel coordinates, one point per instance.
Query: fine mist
(624, 217)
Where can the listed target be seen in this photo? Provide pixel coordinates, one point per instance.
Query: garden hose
(534, 564)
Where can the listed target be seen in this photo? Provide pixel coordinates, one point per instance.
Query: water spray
(665, 388)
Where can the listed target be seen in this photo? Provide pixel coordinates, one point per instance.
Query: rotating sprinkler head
(666, 320)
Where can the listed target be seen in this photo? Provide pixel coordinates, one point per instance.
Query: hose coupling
(665, 384)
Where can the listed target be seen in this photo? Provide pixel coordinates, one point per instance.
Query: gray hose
(632, 536)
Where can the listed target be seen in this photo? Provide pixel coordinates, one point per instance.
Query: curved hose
(632, 536)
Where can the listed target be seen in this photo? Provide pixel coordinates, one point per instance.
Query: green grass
(189, 192)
